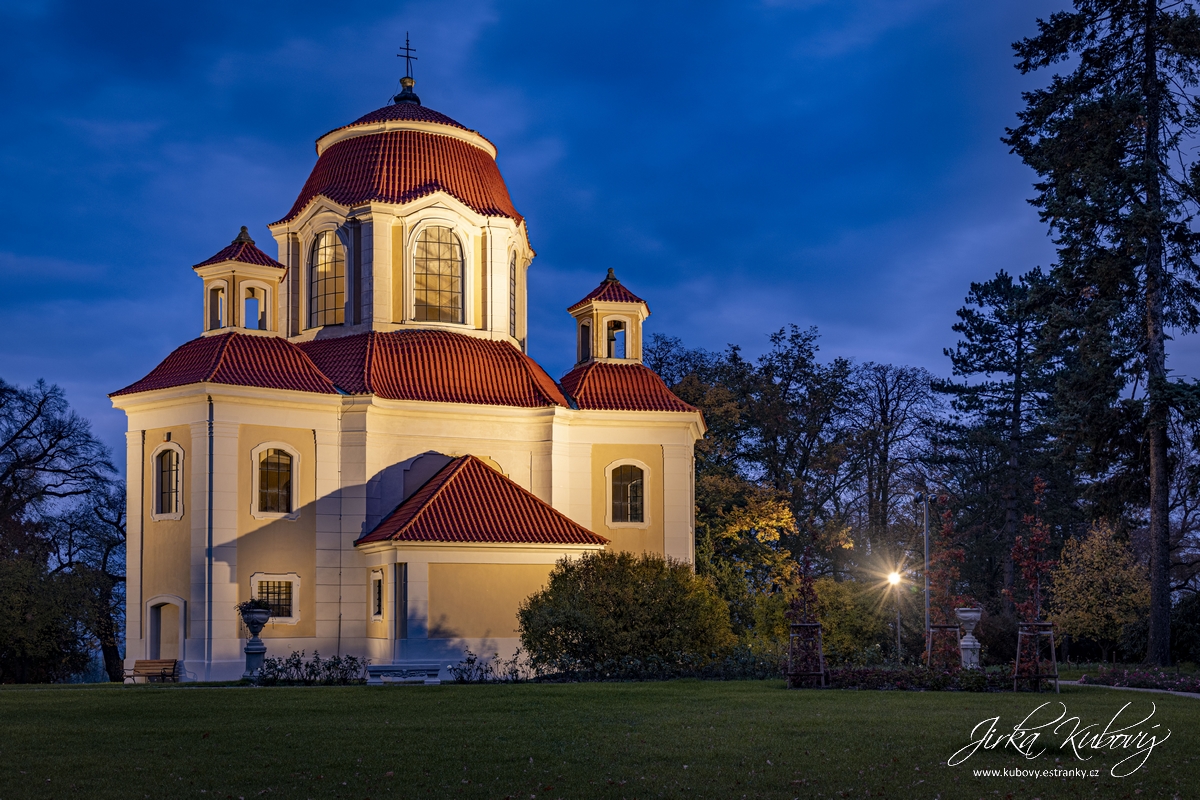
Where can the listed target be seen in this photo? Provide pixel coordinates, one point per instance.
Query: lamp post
(894, 580)
(924, 499)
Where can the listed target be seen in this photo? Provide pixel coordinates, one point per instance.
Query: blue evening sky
(742, 166)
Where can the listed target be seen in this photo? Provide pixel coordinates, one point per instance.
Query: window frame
(627, 329)
(646, 494)
(512, 295)
(279, 577)
(376, 577)
(255, 454)
(310, 312)
(267, 304)
(222, 286)
(464, 294)
(155, 477)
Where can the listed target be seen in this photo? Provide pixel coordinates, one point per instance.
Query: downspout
(208, 553)
(141, 593)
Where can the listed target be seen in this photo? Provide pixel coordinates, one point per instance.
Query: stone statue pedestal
(969, 646)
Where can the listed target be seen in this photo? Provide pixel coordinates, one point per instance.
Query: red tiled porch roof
(620, 387)
(468, 501)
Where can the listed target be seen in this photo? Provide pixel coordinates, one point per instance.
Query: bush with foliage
(1099, 588)
(852, 623)
(608, 608)
(296, 671)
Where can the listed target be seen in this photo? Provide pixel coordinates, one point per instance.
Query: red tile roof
(242, 249)
(610, 290)
(414, 112)
(468, 501)
(236, 359)
(620, 387)
(438, 366)
(400, 166)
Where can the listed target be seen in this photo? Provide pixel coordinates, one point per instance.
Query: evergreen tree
(1003, 396)
(1111, 142)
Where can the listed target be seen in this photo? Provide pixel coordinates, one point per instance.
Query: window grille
(327, 281)
(438, 276)
(168, 482)
(512, 296)
(377, 597)
(277, 595)
(275, 482)
(628, 494)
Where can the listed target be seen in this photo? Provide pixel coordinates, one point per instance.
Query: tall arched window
(275, 482)
(326, 281)
(438, 276)
(512, 296)
(167, 478)
(628, 494)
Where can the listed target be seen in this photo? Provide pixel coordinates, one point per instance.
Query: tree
(1098, 588)
(606, 607)
(1112, 144)
(87, 542)
(61, 539)
(889, 414)
(1005, 384)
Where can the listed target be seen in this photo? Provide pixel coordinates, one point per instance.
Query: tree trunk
(1159, 648)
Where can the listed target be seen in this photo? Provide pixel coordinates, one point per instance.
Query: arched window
(216, 307)
(275, 482)
(438, 276)
(167, 480)
(628, 494)
(616, 339)
(585, 341)
(254, 310)
(326, 281)
(512, 296)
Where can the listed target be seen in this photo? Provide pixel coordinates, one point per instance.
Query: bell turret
(609, 323)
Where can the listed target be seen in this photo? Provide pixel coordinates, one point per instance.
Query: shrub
(741, 664)
(296, 671)
(851, 623)
(610, 608)
(1144, 679)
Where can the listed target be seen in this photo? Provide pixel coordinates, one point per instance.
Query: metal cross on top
(407, 54)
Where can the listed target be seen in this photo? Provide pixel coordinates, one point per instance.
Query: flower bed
(1143, 679)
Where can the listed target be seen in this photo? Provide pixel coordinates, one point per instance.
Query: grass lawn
(673, 739)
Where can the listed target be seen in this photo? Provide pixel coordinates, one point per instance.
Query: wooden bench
(150, 670)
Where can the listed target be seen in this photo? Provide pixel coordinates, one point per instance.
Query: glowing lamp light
(894, 578)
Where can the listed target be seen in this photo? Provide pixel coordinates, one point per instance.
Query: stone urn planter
(255, 614)
(969, 646)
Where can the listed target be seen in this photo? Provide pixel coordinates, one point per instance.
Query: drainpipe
(208, 553)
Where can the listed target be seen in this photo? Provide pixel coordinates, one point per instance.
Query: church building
(358, 437)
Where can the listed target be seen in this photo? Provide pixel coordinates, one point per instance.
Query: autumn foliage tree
(1099, 588)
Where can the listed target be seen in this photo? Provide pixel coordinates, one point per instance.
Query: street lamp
(894, 580)
(925, 499)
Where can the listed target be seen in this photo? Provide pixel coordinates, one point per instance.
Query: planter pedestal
(969, 646)
(255, 649)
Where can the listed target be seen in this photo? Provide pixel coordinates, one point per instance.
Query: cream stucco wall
(645, 538)
(279, 546)
(165, 554)
(477, 601)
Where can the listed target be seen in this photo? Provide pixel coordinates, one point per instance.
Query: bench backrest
(156, 666)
